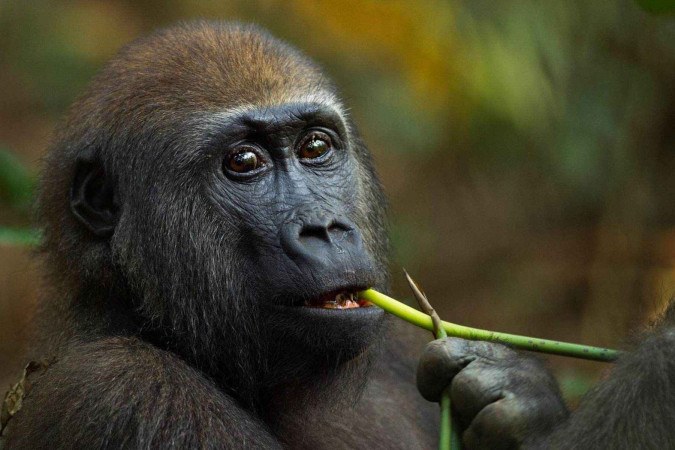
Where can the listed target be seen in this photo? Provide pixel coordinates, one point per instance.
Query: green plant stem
(446, 432)
(448, 435)
(448, 438)
(422, 320)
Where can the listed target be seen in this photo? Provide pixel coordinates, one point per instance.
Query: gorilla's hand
(501, 398)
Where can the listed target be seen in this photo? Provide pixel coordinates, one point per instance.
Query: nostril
(336, 231)
(337, 227)
(313, 231)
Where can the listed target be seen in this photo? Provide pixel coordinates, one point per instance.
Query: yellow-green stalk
(422, 320)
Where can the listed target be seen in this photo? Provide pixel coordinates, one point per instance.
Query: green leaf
(19, 236)
(16, 184)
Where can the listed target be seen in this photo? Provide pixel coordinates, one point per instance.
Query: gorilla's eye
(314, 145)
(243, 160)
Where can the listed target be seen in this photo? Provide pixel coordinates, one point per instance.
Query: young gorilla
(209, 211)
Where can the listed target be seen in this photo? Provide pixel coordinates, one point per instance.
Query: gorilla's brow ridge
(206, 125)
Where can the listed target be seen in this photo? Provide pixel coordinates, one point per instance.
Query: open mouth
(338, 300)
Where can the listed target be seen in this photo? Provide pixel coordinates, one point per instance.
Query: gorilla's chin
(325, 331)
(320, 346)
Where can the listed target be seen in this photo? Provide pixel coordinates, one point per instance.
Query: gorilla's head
(210, 192)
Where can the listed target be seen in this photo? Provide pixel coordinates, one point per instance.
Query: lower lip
(350, 305)
(323, 331)
(333, 313)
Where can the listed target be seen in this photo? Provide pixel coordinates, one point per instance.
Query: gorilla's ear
(92, 198)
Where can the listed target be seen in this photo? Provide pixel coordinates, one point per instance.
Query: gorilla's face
(252, 231)
(287, 179)
(239, 209)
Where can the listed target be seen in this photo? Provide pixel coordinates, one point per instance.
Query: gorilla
(209, 213)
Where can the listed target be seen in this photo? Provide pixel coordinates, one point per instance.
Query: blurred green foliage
(567, 89)
(16, 195)
(19, 236)
(574, 385)
(657, 6)
(16, 185)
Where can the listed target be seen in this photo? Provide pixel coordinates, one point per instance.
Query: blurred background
(527, 148)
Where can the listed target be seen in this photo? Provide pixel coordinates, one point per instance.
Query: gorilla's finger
(444, 358)
(500, 425)
(475, 387)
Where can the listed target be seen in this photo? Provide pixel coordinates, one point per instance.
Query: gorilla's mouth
(344, 299)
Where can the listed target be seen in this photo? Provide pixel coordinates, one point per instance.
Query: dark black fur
(173, 285)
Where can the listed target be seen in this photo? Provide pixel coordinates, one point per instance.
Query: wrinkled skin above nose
(321, 239)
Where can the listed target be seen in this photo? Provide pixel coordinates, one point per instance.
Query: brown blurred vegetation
(528, 148)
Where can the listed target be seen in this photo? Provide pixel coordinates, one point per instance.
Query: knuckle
(433, 350)
(480, 377)
(448, 352)
(441, 360)
(447, 346)
(492, 349)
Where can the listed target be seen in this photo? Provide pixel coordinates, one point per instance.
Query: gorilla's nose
(322, 238)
